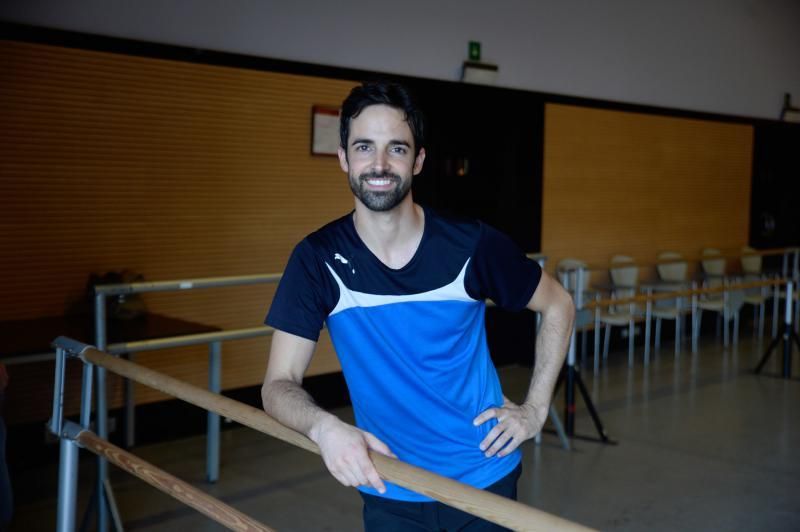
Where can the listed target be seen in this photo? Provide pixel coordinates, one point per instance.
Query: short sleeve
(298, 306)
(500, 271)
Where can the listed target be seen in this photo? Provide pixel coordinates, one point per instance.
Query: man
(402, 292)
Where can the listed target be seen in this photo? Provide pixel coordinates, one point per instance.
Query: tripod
(572, 374)
(788, 336)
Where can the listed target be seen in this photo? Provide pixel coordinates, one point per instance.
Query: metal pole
(796, 279)
(86, 395)
(67, 485)
(695, 324)
(212, 436)
(102, 411)
(787, 333)
(725, 314)
(579, 280)
(678, 331)
(648, 314)
(68, 459)
(596, 336)
(58, 392)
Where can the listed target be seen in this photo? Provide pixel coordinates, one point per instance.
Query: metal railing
(485, 505)
(214, 341)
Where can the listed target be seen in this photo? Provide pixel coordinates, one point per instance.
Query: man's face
(379, 160)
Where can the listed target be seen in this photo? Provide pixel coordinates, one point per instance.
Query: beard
(379, 201)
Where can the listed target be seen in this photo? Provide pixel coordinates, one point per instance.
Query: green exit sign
(474, 51)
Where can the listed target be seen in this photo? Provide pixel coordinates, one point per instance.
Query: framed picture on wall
(324, 130)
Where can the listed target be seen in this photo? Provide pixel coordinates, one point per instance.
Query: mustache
(379, 175)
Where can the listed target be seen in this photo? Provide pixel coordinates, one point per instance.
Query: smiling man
(401, 290)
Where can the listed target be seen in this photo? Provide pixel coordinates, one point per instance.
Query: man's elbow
(569, 308)
(562, 308)
(265, 389)
(268, 391)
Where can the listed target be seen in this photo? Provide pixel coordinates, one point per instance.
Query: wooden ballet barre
(644, 298)
(204, 503)
(488, 506)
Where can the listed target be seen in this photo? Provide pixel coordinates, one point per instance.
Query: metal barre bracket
(72, 431)
(72, 348)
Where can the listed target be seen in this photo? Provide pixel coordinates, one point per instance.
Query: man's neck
(392, 236)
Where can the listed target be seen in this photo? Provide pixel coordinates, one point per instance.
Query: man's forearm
(290, 404)
(551, 347)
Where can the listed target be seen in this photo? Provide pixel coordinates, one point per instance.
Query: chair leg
(725, 337)
(762, 316)
(606, 341)
(596, 342)
(658, 334)
(630, 343)
(736, 328)
(678, 319)
(698, 320)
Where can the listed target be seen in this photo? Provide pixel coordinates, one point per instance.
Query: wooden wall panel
(170, 169)
(636, 184)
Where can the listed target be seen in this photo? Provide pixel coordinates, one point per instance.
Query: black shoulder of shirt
(332, 226)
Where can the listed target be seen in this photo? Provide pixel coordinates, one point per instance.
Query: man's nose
(381, 162)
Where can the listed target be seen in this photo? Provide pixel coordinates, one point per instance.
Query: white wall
(727, 56)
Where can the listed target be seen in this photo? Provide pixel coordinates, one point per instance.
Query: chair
(726, 304)
(757, 297)
(624, 277)
(673, 277)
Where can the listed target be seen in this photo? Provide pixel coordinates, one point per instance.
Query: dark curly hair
(382, 93)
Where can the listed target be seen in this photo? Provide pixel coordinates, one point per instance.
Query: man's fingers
(498, 444)
(485, 416)
(366, 469)
(375, 481)
(492, 436)
(345, 451)
(512, 444)
(377, 445)
(345, 477)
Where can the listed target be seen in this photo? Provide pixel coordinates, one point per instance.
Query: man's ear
(343, 159)
(419, 160)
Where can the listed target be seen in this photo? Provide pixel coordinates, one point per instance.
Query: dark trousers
(388, 515)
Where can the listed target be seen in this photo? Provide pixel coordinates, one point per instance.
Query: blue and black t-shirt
(412, 341)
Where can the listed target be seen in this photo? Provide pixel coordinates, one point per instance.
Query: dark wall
(484, 157)
(775, 204)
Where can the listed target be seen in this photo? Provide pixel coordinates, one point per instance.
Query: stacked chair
(672, 272)
(625, 283)
(756, 297)
(726, 304)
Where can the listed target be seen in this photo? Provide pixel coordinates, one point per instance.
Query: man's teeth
(379, 182)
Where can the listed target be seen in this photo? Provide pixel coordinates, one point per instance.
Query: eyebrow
(391, 142)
